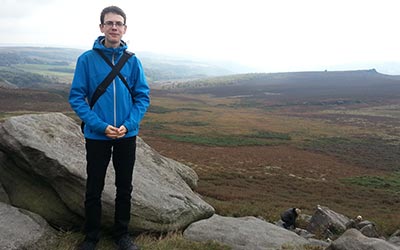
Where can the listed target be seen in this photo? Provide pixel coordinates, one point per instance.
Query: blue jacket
(115, 107)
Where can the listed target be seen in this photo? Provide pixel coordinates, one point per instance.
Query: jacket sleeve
(79, 94)
(141, 94)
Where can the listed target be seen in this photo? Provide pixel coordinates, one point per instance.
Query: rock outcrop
(326, 222)
(21, 229)
(353, 239)
(42, 169)
(243, 233)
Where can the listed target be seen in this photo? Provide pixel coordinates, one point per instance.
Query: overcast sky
(271, 35)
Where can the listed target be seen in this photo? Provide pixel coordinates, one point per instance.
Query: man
(111, 125)
(289, 218)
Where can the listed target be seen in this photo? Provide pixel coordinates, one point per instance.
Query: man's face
(113, 28)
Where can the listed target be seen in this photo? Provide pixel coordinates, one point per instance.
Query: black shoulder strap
(110, 77)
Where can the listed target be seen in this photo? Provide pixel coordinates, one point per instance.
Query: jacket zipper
(115, 94)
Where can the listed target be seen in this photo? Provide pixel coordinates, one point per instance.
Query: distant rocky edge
(42, 179)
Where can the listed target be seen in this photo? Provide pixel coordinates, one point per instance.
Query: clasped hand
(114, 132)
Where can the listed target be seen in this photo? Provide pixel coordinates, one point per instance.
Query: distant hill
(161, 67)
(302, 86)
(37, 55)
(157, 67)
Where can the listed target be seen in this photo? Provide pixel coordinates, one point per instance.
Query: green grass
(158, 109)
(56, 73)
(270, 135)
(388, 183)
(193, 123)
(153, 125)
(177, 242)
(172, 241)
(47, 69)
(163, 110)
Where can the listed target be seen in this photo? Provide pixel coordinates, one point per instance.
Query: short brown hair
(112, 9)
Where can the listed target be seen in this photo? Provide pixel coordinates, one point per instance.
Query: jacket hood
(99, 44)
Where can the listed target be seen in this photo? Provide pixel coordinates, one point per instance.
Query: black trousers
(98, 155)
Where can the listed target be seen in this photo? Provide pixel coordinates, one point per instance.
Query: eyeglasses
(111, 24)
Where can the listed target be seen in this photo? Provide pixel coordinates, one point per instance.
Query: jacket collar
(99, 44)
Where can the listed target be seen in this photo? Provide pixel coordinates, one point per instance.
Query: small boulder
(327, 223)
(370, 230)
(243, 233)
